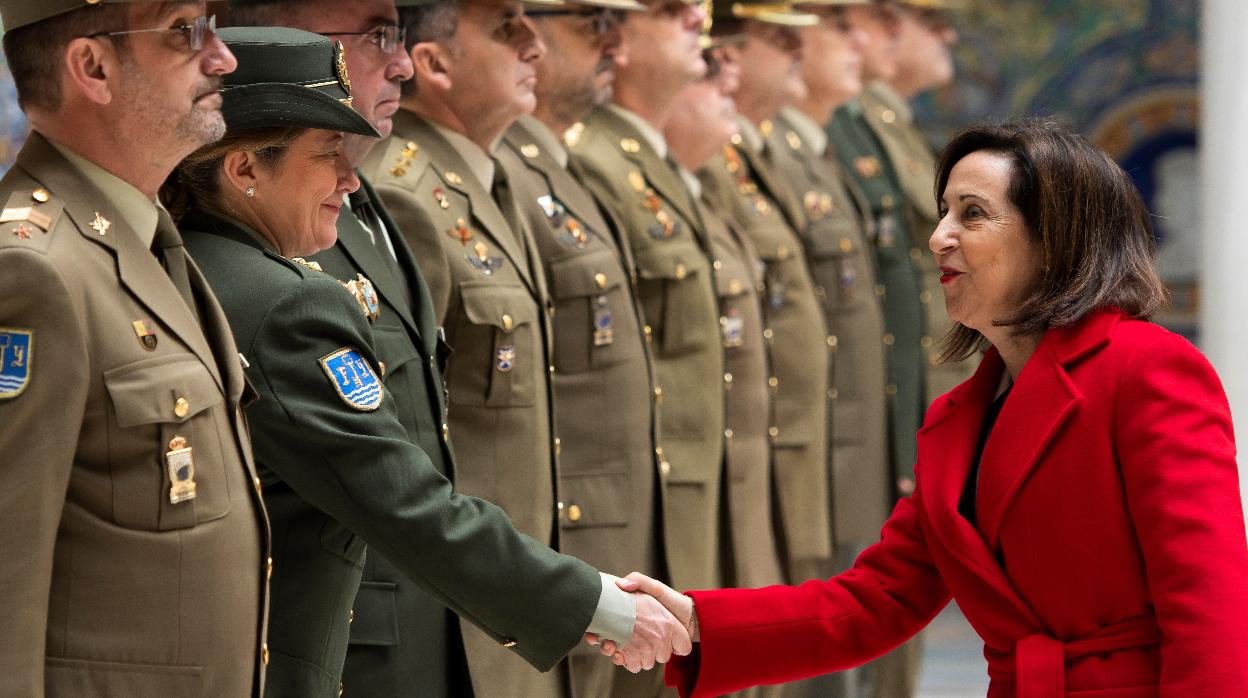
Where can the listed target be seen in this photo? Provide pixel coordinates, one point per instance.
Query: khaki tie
(169, 249)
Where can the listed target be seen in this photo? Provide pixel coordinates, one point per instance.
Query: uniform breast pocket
(497, 347)
(170, 444)
(677, 297)
(590, 299)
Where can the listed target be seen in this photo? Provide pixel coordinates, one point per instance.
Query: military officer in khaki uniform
(924, 61)
(759, 204)
(703, 121)
(839, 248)
(623, 158)
(135, 542)
(603, 384)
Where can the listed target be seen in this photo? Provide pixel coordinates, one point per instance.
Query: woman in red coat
(1078, 496)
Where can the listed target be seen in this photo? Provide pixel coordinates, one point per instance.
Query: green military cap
(19, 13)
(288, 77)
(771, 12)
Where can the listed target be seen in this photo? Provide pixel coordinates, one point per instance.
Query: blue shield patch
(354, 379)
(16, 347)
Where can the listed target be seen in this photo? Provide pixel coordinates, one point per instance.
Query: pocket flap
(504, 306)
(376, 615)
(676, 262)
(584, 275)
(595, 499)
(162, 389)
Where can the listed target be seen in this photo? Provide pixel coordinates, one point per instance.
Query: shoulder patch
(16, 352)
(354, 380)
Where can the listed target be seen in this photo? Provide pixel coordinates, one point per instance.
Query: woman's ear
(432, 64)
(240, 171)
(87, 66)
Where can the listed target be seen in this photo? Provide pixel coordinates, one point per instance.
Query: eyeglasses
(601, 19)
(388, 38)
(194, 31)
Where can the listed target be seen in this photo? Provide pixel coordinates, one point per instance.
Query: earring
(251, 192)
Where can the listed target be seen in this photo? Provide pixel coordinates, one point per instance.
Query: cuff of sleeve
(616, 612)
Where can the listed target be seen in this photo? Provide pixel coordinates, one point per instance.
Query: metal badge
(146, 335)
(354, 380)
(733, 326)
(867, 167)
(575, 235)
(366, 295)
(181, 466)
(506, 358)
(482, 261)
(16, 351)
(440, 196)
(100, 224)
(461, 232)
(604, 333)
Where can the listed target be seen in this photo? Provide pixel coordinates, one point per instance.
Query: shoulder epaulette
(28, 218)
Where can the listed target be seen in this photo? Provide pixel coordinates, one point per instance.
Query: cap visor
(280, 104)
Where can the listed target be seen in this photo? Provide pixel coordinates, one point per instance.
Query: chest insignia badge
(180, 463)
(366, 295)
(506, 358)
(100, 224)
(145, 333)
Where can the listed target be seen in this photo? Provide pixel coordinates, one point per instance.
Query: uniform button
(925, 297)
(773, 382)
(889, 339)
(255, 481)
(926, 342)
(264, 653)
(773, 432)
(727, 381)
(381, 366)
(658, 394)
(181, 407)
(888, 116)
(446, 431)
(340, 690)
(648, 330)
(768, 334)
(351, 617)
(717, 265)
(891, 389)
(723, 321)
(600, 279)
(559, 510)
(558, 446)
(833, 393)
(268, 569)
(508, 642)
(658, 451)
(665, 469)
(832, 341)
(551, 368)
(915, 254)
(681, 271)
(508, 321)
(887, 201)
(727, 433)
(574, 513)
(40, 195)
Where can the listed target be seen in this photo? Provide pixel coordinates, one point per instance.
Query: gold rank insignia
(573, 135)
(366, 295)
(867, 166)
(732, 160)
(636, 181)
(461, 232)
(454, 178)
(794, 141)
(100, 224)
(146, 335)
(181, 466)
(314, 266)
(27, 214)
(530, 150)
(630, 145)
(22, 231)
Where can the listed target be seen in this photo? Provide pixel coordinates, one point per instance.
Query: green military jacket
(863, 159)
(342, 471)
(489, 291)
(115, 398)
(838, 249)
(675, 285)
(751, 546)
(759, 204)
(914, 161)
(408, 349)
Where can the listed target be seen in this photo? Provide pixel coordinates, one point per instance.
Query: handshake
(665, 625)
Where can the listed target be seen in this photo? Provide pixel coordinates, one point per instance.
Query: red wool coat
(1109, 560)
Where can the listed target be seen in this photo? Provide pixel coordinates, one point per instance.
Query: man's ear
(87, 67)
(240, 170)
(432, 63)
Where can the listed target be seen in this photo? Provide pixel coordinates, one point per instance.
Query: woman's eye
(973, 212)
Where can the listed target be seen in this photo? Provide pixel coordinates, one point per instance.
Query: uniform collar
(691, 180)
(810, 133)
(751, 137)
(546, 139)
(132, 205)
(891, 99)
(479, 162)
(645, 128)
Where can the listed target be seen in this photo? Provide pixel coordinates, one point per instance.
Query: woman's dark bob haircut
(1092, 232)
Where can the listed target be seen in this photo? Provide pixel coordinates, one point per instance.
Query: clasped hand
(663, 626)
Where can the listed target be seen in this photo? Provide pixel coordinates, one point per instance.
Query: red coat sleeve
(777, 634)
(1177, 453)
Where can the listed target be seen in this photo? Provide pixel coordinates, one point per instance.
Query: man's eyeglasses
(194, 31)
(601, 19)
(387, 38)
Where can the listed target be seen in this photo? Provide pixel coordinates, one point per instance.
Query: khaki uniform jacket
(488, 290)
(760, 205)
(676, 288)
(914, 161)
(344, 473)
(838, 249)
(751, 547)
(864, 160)
(108, 587)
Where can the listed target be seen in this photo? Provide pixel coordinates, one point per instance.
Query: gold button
(509, 642)
(890, 389)
(648, 330)
(411, 145)
(782, 252)
(351, 617)
(658, 451)
(268, 569)
(181, 407)
(832, 341)
(717, 265)
(925, 297)
(558, 446)
(508, 322)
(773, 432)
(768, 334)
(255, 481)
(879, 290)
(340, 690)
(381, 366)
(446, 431)
(773, 382)
(559, 507)
(658, 394)
(551, 368)
(915, 254)
(601, 280)
(889, 339)
(40, 195)
(833, 393)
(727, 433)
(665, 468)
(735, 139)
(681, 271)
(264, 653)
(530, 150)
(926, 342)
(574, 513)
(889, 116)
(887, 201)
(728, 379)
